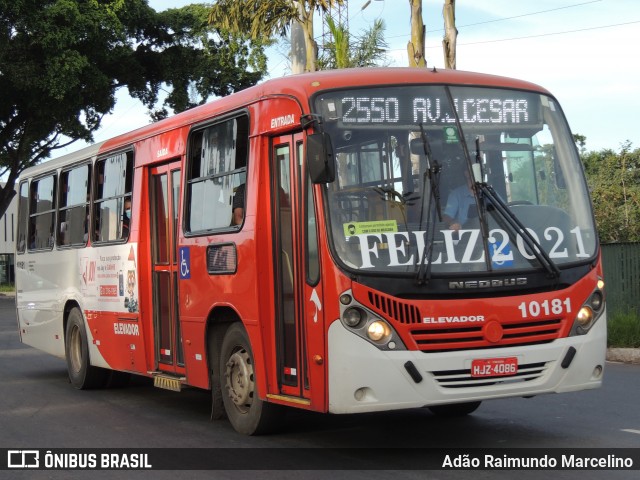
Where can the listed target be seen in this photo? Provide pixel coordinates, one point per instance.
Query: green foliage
(61, 62)
(623, 330)
(614, 180)
(266, 21)
(580, 141)
(258, 19)
(365, 50)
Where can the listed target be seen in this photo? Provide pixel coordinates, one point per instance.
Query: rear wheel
(247, 413)
(82, 374)
(454, 409)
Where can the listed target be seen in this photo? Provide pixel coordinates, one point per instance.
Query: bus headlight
(589, 313)
(378, 331)
(353, 316)
(368, 325)
(585, 316)
(597, 300)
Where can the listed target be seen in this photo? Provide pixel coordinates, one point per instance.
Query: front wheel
(247, 413)
(454, 409)
(82, 374)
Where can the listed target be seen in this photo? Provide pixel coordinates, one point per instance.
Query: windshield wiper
(432, 172)
(518, 228)
(483, 189)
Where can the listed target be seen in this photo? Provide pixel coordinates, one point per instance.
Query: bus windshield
(405, 193)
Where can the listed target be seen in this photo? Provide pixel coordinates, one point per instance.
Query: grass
(624, 330)
(7, 287)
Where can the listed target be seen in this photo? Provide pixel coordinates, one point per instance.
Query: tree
(198, 62)
(415, 47)
(267, 20)
(580, 141)
(366, 50)
(61, 62)
(450, 34)
(614, 180)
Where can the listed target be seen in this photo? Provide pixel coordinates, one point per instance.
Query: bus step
(168, 382)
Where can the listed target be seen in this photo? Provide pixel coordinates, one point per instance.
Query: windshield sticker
(501, 256)
(451, 135)
(401, 249)
(363, 228)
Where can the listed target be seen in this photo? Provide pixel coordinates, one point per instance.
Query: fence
(621, 263)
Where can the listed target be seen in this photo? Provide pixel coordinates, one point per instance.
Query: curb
(624, 355)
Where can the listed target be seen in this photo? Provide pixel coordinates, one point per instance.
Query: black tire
(116, 379)
(213, 355)
(82, 374)
(247, 413)
(454, 409)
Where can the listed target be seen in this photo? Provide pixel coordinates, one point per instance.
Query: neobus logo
(475, 284)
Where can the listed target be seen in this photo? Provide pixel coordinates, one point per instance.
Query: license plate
(494, 367)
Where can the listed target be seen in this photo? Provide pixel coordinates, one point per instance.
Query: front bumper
(363, 378)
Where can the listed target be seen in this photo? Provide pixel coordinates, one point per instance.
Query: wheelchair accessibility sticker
(185, 264)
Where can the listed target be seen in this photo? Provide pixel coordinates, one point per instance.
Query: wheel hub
(239, 379)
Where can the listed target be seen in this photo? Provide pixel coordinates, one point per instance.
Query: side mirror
(320, 160)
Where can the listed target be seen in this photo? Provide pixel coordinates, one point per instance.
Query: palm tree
(266, 20)
(415, 47)
(368, 49)
(450, 35)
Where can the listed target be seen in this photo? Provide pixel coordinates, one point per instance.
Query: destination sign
(430, 106)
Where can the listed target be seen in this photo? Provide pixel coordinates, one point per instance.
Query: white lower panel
(363, 378)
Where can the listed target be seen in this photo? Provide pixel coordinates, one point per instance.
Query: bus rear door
(164, 191)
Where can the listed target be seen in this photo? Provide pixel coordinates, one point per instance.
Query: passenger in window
(460, 202)
(126, 217)
(237, 206)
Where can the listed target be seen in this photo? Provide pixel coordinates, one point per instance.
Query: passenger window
(216, 176)
(114, 181)
(73, 216)
(42, 213)
(23, 217)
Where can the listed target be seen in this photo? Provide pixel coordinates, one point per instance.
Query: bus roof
(300, 86)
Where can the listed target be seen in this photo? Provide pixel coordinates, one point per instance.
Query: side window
(23, 217)
(113, 184)
(216, 176)
(73, 216)
(42, 207)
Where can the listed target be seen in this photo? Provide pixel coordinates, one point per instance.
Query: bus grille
(463, 378)
(430, 339)
(392, 308)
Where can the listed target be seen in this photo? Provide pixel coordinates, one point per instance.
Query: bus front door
(298, 290)
(164, 191)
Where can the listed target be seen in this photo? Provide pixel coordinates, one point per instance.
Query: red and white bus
(297, 244)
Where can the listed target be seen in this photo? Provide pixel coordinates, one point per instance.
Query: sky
(585, 52)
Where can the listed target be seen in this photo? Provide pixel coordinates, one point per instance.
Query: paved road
(39, 409)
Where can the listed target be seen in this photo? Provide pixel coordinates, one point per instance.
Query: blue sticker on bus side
(185, 263)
